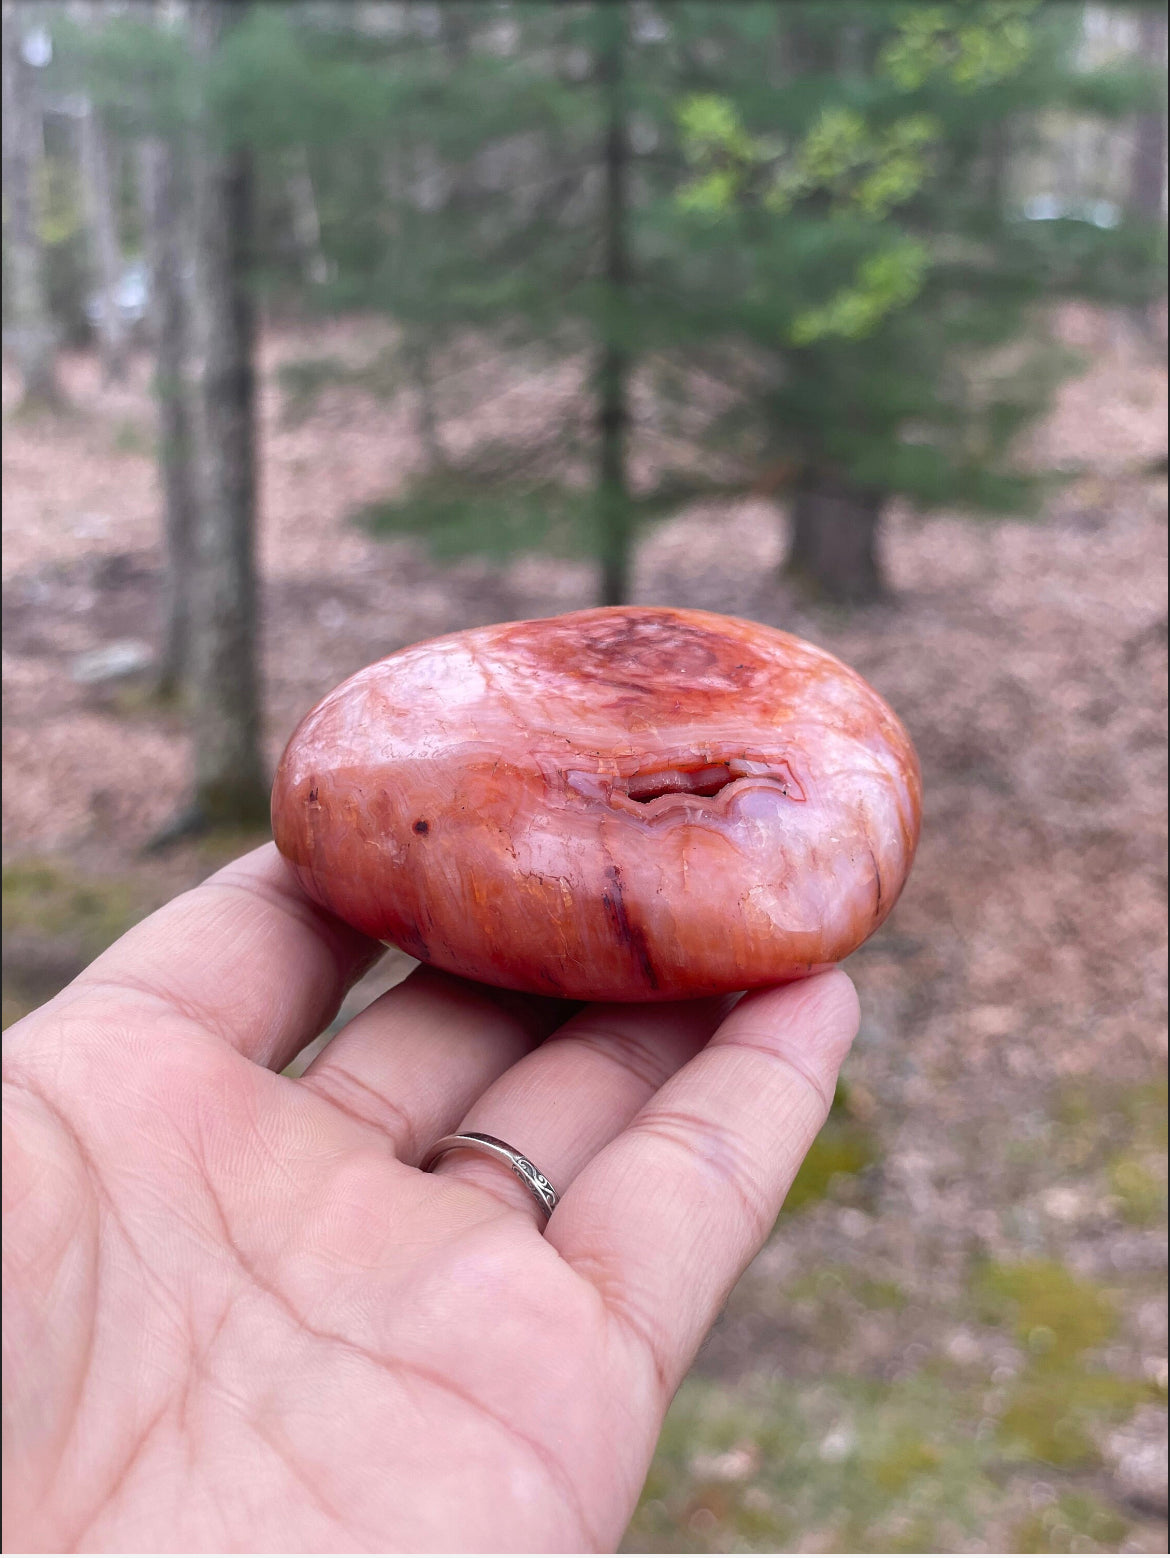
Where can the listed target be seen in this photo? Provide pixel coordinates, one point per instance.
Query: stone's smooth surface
(628, 804)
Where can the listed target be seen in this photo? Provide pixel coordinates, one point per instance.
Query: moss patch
(841, 1465)
(1140, 1193)
(1060, 1405)
(1058, 1416)
(1068, 1523)
(843, 1151)
(850, 1465)
(41, 897)
(55, 922)
(1053, 1312)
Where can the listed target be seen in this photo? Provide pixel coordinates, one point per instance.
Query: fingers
(667, 1216)
(414, 1061)
(562, 1103)
(245, 956)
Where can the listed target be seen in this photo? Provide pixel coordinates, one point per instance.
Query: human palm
(239, 1318)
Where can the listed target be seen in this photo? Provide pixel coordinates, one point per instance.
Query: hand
(239, 1318)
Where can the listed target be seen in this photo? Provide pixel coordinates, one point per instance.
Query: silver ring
(527, 1173)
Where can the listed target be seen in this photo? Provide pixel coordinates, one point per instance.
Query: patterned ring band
(527, 1173)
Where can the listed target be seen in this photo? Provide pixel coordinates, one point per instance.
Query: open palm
(237, 1315)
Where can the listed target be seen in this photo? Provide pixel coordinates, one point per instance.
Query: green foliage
(874, 273)
(808, 211)
(459, 513)
(861, 167)
(139, 76)
(969, 45)
(885, 281)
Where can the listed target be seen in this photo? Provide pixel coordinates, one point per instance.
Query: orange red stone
(627, 804)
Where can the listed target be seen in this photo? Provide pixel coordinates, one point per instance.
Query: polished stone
(628, 804)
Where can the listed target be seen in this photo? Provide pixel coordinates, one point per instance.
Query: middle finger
(562, 1103)
(414, 1061)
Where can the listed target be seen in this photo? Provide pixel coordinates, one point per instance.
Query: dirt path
(958, 1341)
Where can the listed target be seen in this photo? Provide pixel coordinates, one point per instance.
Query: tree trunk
(1147, 173)
(306, 222)
(1148, 169)
(833, 551)
(417, 356)
(613, 417)
(230, 786)
(166, 213)
(32, 334)
(100, 184)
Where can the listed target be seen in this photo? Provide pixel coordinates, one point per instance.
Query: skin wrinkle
(639, 1058)
(278, 1160)
(554, 1468)
(120, 1479)
(344, 965)
(82, 1374)
(788, 1058)
(402, 1138)
(526, 1018)
(198, 1353)
(204, 1019)
(339, 938)
(108, 1208)
(714, 1147)
(556, 1471)
(299, 1475)
(615, 1300)
(487, 1178)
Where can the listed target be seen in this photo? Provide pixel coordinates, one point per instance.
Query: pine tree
(509, 170)
(822, 219)
(811, 210)
(857, 249)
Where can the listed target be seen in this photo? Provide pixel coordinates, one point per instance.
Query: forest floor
(956, 1338)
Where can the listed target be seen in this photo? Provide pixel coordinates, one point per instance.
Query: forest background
(333, 326)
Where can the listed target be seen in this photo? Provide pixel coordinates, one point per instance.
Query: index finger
(245, 956)
(664, 1220)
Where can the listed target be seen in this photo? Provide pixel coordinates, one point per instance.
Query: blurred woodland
(332, 326)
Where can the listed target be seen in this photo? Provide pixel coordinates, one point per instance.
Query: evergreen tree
(858, 251)
(816, 210)
(510, 172)
(810, 210)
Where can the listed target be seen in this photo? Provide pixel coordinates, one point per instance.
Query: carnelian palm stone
(631, 804)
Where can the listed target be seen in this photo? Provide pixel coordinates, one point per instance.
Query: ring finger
(562, 1103)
